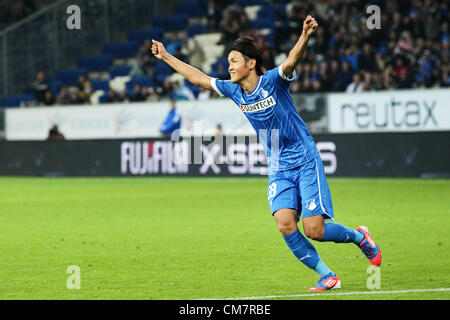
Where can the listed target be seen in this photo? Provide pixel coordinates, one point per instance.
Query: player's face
(239, 68)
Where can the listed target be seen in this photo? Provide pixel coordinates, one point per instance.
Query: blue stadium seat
(263, 24)
(100, 85)
(163, 68)
(160, 77)
(15, 101)
(223, 62)
(95, 63)
(267, 11)
(142, 81)
(121, 49)
(171, 23)
(270, 38)
(195, 89)
(172, 46)
(192, 8)
(195, 29)
(140, 35)
(55, 86)
(103, 97)
(119, 71)
(69, 76)
(246, 3)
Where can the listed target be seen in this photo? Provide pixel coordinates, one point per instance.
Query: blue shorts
(304, 189)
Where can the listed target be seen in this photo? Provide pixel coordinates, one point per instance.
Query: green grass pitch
(194, 238)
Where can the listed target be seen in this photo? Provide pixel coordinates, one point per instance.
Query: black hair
(248, 47)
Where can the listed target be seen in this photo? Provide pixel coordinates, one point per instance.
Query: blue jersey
(271, 112)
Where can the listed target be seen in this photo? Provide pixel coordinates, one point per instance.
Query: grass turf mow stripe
(374, 292)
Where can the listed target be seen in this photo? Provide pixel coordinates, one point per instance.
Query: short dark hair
(248, 47)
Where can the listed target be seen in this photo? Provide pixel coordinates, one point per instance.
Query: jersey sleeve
(276, 75)
(224, 87)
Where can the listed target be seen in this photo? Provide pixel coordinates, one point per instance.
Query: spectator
(75, 98)
(203, 94)
(49, 100)
(213, 16)
(356, 85)
(54, 134)
(445, 77)
(431, 28)
(403, 81)
(174, 44)
(425, 69)
(123, 96)
(40, 87)
(218, 131)
(172, 123)
(182, 92)
(63, 97)
(365, 61)
(138, 94)
(151, 94)
(316, 86)
(84, 88)
(221, 73)
(377, 81)
(331, 76)
(344, 77)
(230, 29)
(243, 21)
(399, 67)
(379, 62)
(367, 82)
(112, 96)
(167, 88)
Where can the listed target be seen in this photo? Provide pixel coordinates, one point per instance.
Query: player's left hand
(309, 25)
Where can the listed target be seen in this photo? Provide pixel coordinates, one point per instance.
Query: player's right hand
(309, 25)
(158, 49)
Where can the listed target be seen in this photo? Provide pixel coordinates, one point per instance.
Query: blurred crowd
(410, 50)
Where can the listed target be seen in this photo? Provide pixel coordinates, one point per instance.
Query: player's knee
(314, 232)
(286, 228)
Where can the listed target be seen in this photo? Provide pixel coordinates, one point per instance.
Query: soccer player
(297, 184)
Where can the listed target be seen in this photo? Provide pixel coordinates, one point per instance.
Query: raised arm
(309, 27)
(194, 75)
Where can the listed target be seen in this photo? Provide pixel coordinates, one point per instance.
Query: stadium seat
(223, 62)
(142, 81)
(16, 101)
(171, 23)
(103, 97)
(69, 76)
(195, 89)
(119, 71)
(100, 85)
(263, 24)
(266, 12)
(55, 86)
(95, 63)
(195, 29)
(140, 35)
(120, 49)
(193, 9)
(246, 3)
(162, 70)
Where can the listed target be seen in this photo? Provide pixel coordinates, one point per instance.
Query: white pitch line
(333, 294)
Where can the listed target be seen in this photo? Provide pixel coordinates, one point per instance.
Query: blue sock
(305, 252)
(338, 233)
